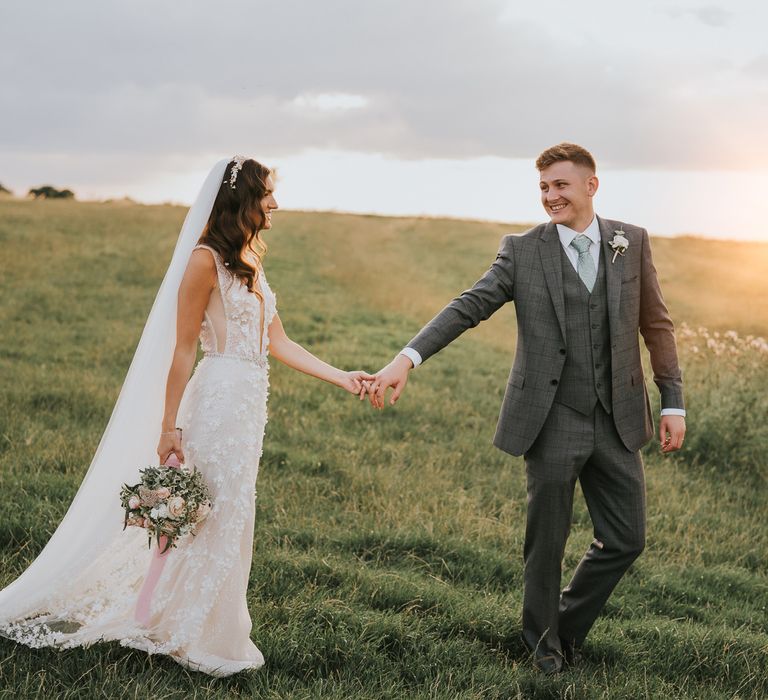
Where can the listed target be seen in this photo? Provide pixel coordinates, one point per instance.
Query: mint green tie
(586, 265)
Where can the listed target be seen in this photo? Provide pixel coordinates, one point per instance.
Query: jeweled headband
(236, 168)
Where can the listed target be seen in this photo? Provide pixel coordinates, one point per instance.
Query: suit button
(594, 325)
(598, 385)
(593, 306)
(597, 366)
(554, 382)
(562, 351)
(595, 347)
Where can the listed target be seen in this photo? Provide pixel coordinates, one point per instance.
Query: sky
(428, 107)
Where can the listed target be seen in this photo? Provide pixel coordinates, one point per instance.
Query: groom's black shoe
(546, 663)
(571, 653)
(549, 665)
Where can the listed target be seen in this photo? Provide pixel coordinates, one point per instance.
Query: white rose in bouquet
(159, 512)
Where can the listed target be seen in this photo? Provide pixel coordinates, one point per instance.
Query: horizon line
(431, 217)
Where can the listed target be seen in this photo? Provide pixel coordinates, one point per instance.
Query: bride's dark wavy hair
(237, 219)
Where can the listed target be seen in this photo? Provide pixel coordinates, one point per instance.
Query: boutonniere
(619, 243)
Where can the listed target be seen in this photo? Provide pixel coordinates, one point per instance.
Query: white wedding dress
(199, 614)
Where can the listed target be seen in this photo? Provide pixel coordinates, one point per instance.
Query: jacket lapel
(551, 262)
(613, 273)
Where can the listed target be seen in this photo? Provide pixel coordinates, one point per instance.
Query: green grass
(388, 555)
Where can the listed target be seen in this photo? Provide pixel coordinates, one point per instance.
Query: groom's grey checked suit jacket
(528, 270)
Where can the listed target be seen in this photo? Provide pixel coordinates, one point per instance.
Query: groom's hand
(394, 375)
(671, 433)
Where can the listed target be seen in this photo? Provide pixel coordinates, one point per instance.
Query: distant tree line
(49, 192)
(43, 192)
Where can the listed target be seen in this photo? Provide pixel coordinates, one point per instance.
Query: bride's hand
(355, 382)
(170, 442)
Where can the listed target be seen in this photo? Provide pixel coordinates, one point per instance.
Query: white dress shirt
(566, 236)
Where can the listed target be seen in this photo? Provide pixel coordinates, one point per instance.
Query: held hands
(671, 433)
(394, 375)
(355, 382)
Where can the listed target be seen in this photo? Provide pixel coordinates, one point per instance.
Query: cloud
(758, 66)
(326, 102)
(711, 15)
(434, 79)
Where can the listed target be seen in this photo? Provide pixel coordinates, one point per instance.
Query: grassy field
(388, 556)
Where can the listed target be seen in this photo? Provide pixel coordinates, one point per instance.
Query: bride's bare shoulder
(203, 256)
(201, 268)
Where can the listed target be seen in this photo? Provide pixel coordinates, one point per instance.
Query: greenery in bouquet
(169, 502)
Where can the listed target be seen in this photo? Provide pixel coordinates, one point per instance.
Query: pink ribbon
(172, 461)
(156, 566)
(144, 603)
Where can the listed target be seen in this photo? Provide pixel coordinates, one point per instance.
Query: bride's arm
(290, 353)
(195, 290)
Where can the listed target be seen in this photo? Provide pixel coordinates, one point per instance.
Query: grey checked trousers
(573, 446)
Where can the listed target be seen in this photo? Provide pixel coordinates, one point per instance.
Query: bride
(90, 581)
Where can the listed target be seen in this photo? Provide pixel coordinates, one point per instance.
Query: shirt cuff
(412, 355)
(672, 411)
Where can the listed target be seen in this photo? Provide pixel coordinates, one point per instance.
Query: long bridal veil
(94, 520)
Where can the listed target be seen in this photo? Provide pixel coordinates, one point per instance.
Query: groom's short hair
(566, 151)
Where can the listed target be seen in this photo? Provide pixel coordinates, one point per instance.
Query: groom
(575, 405)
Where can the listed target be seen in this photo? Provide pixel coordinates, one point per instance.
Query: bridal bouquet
(169, 501)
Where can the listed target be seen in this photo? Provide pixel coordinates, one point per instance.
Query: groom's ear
(592, 184)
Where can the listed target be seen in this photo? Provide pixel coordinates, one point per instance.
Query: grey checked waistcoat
(586, 376)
